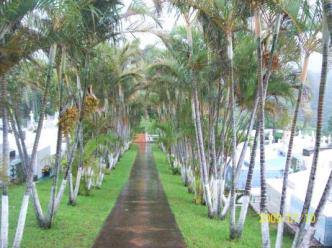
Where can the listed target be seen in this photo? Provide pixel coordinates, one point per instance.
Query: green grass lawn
(77, 226)
(197, 229)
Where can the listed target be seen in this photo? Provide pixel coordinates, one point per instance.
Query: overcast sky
(168, 20)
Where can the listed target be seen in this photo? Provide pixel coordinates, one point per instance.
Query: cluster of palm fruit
(90, 104)
(275, 60)
(68, 119)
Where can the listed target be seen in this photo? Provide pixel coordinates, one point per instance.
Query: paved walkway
(141, 216)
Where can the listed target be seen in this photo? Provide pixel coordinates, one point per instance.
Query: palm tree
(189, 54)
(55, 199)
(309, 42)
(169, 80)
(12, 12)
(214, 23)
(17, 42)
(303, 237)
(197, 116)
(4, 166)
(17, 39)
(261, 124)
(45, 220)
(224, 22)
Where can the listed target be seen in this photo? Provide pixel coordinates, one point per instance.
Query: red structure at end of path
(140, 138)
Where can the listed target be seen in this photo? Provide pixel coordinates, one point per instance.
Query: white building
(46, 147)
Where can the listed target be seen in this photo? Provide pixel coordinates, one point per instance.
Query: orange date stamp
(275, 218)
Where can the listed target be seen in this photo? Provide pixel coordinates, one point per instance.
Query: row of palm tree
(218, 79)
(71, 45)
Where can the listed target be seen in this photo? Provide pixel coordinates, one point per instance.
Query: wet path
(141, 216)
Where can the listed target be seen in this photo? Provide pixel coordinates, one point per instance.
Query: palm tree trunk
(213, 160)
(246, 142)
(73, 191)
(4, 168)
(233, 139)
(201, 153)
(313, 223)
(70, 160)
(279, 238)
(263, 208)
(52, 54)
(222, 208)
(204, 172)
(328, 15)
(31, 185)
(226, 203)
(25, 202)
(198, 124)
(21, 220)
(19, 138)
(246, 195)
(327, 25)
(57, 166)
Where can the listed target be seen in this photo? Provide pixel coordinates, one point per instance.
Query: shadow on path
(142, 216)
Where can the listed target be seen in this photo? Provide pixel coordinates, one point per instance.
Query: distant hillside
(314, 80)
